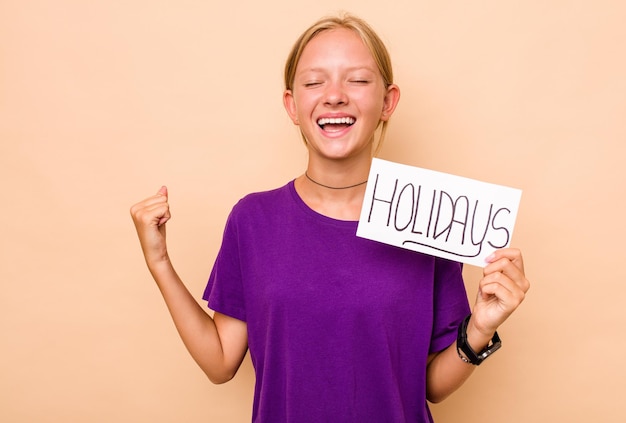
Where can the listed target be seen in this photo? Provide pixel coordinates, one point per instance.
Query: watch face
(490, 349)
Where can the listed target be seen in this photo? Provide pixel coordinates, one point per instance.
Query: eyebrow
(350, 69)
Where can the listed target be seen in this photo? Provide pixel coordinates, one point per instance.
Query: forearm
(217, 344)
(446, 371)
(500, 291)
(195, 326)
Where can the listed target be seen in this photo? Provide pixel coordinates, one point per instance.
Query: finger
(158, 213)
(499, 291)
(508, 268)
(492, 310)
(165, 217)
(494, 306)
(150, 213)
(512, 254)
(503, 287)
(159, 198)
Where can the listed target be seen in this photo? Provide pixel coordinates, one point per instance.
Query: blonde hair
(369, 37)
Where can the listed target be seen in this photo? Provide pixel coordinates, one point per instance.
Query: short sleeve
(224, 290)
(450, 304)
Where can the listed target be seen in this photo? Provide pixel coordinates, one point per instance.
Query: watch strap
(465, 351)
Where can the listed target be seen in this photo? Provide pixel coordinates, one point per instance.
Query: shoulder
(263, 203)
(264, 197)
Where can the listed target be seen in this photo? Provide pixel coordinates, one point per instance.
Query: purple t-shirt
(339, 327)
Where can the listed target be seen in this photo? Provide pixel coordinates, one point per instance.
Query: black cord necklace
(326, 186)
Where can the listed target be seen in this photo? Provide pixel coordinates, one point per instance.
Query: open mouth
(335, 124)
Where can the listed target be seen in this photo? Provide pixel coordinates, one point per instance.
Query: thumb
(162, 191)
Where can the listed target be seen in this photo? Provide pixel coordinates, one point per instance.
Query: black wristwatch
(467, 354)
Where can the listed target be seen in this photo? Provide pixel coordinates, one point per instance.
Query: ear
(392, 97)
(290, 106)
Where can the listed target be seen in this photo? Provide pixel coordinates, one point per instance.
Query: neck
(334, 187)
(336, 195)
(338, 175)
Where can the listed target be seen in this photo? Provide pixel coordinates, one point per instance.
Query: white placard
(437, 213)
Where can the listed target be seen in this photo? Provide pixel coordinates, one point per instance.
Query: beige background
(101, 102)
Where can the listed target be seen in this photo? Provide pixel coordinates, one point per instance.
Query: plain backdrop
(102, 102)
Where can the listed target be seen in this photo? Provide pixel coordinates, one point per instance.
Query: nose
(335, 95)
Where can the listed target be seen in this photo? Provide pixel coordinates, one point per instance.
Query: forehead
(336, 46)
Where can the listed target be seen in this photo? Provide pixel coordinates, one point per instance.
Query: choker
(326, 186)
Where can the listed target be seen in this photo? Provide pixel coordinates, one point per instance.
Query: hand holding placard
(436, 213)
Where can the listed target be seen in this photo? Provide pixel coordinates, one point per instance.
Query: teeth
(342, 120)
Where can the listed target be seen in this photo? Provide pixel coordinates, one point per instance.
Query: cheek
(373, 108)
(371, 101)
(304, 105)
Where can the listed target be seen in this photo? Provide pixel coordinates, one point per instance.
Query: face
(339, 97)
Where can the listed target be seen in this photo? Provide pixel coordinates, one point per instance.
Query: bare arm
(217, 344)
(501, 290)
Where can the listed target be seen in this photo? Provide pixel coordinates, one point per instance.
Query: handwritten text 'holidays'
(436, 213)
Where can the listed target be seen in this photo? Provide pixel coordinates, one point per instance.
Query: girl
(339, 328)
